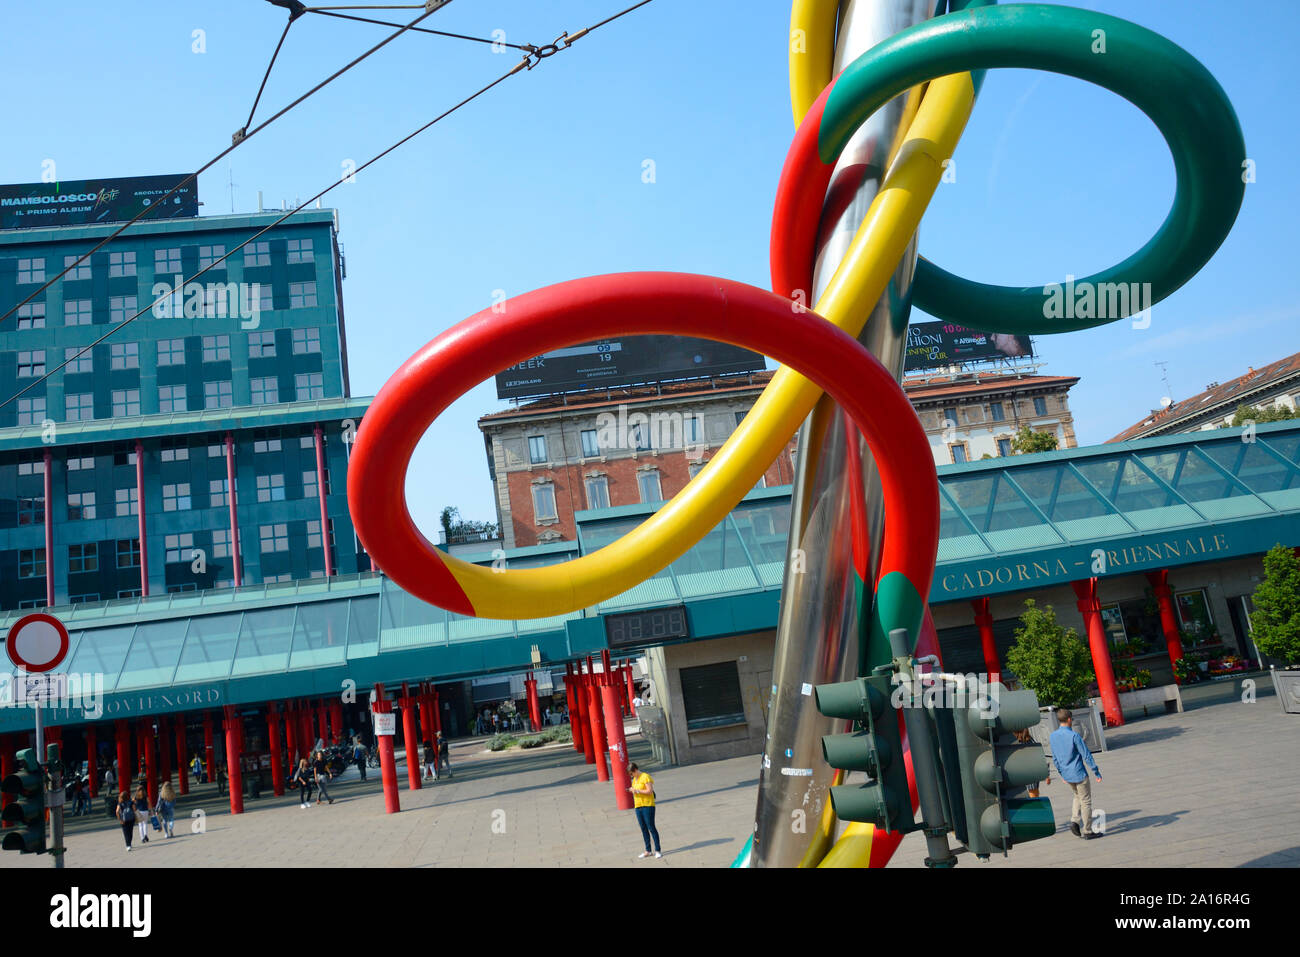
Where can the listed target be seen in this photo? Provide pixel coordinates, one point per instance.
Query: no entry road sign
(37, 643)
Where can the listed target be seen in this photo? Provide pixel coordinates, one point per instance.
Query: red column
(1090, 608)
(49, 534)
(631, 690)
(984, 621)
(291, 733)
(150, 768)
(387, 761)
(611, 700)
(304, 729)
(273, 741)
(209, 752)
(581, 722)
(336, 709)
(437, 712)
(597, 723)
(234, 516)
(426, 720)
(571, 699)
(324, 511)
(143, 530)
(534, 706)
(92, 761)
(234, 772)
(182, 754)
(164, 751)
(124, 772)
(1168, 619)
(409, 740)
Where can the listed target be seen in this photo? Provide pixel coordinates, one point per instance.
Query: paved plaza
(1214, 786)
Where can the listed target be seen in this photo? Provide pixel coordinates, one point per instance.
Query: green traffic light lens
(1030, 819)
(866, 804)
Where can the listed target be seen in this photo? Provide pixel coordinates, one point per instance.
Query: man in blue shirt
(1069, 754)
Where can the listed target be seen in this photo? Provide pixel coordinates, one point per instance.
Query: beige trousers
(1081, 809)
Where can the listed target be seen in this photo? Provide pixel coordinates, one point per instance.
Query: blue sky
(540, 180)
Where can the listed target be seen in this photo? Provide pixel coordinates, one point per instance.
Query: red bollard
(610, 695)
(387, 760)
(182, 754)
(409, 740)
(273, 741)
(583, 727)
(234, 773)
(631, 690)
(597, 726)
(569, 683)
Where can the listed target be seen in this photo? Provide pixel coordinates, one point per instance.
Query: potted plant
(1055, 664)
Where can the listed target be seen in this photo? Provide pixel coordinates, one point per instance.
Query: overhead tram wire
(239, 138)
(326, 11)
(526, 63)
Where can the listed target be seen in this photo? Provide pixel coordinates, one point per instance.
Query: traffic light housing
(994, 769)
(875, 747)
(24, 792)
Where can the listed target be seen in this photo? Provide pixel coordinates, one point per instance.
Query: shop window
(711, 696)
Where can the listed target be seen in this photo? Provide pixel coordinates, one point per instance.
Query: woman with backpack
(166, 808)
(126, 817)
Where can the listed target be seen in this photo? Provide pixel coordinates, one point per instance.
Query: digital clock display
(646, 627)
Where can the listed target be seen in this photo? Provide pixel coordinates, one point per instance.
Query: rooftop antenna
(230, 178)
(1164, 374)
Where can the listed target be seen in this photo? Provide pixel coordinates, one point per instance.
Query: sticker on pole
(37, 643)
(385, 723)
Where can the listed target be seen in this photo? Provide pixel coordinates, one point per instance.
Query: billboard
(616, 362)
(85, 202)
(934, 344)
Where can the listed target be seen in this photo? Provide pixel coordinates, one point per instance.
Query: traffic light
(26, 787)
(994, 769)
(876, 747)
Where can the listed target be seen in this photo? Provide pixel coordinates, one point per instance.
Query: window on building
(740, 417)
(1004, 447)
(1040, 405)
(711, 695)
(299, 251)
(174, 453)
(124, 355)
(129, 593)
(31, 563)
(31, 410)
(998, 414)
(31, 364)
(597, 491)
(309, 385)
(80, 463)
(216, 348)
(306, 340)
(81, 505)
(218, 395)
(307, 442)
(647, 484)
(693, 429)
(217, 492)
(641, 437)
(79, 271)
(179, 547)
(171, 352)
(85, 362)
(590, 442)
(83, 558)
(89, 598)
(166, 262)
(171, 398)
(266, 445)
(77, 312)
(264, 391)
(310, 489)
(958, 453)
(313, 533)
(257, 254)
(544, 503)
(31, 270)
(121, 308)
(31, 315)
(536, 449)
(176, 498)
(261, 344)
(762, 482)
(270, 488)
(950, 415)
(221, 543)
(208, 255)
(121, 264)
(302, 295)
(695, 468)
(265, 299)
(31, 511)
(127, 501)
(32, 466)
(128, 553)
(275, 538)
(79, 407)
(126, 402)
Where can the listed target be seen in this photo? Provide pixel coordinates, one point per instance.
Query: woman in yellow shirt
(643, 800)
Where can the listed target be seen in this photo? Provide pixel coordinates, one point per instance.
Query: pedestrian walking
(444, 754)
(126, 817)
(80, 802)
(1069, 754)
(142, 812)
(302, 778)
(430, 760)
(359, 756)
(166, 808)
(643, 799)
(323, 774)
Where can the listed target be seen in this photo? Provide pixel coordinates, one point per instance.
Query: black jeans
(320, 786)
(361, 766)
(128, 831)
(645, 816)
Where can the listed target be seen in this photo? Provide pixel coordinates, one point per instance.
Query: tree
(1049, 658)
(455, 529)
(1260, 415)
(1275, 622)
(449, 518)
(1028, 441)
